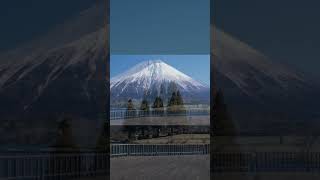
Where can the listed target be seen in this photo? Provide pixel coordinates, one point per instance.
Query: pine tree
(158, 103)
(130, 113)
(144, 105)
(130, 105)
(222, 123)
(173, 100)
(103, 139)
(158, 106)
(179, 99)
(130, 109)
(175, 103)
(64, 138)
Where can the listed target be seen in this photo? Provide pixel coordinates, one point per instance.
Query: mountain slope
(251, 71)
(63, 72)
(263, 95)
(154, 77)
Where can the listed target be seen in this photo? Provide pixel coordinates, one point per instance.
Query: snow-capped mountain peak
(150, 76)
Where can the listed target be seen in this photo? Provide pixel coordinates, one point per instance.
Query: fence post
(43, 168)
(253, 163)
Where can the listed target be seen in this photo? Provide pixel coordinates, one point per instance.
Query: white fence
(158, 149)
(75, 165)
(125, 114)
(53, 165)
(265, 162)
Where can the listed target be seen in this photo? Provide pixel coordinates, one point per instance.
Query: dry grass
(178, 139)
(165, 121)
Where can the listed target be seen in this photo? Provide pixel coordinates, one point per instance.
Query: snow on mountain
(63, 71)
(82, 33)
(149, 76)
(251, 71)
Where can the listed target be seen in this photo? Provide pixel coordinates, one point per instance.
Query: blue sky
(196, 66)
(160, 26)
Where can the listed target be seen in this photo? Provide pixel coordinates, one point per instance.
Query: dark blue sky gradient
(285, 30)
(288, 31)
(22, 20)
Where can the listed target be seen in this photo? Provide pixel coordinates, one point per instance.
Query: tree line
(175, 104)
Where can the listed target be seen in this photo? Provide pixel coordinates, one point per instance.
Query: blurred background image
(266, 109)
(53, 92)
(166, 89)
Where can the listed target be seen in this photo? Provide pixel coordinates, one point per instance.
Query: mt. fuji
(155, 78)
(66, 71)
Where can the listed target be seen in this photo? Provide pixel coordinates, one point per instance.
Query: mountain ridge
(65, 73)
(153, 76)
(239, 62)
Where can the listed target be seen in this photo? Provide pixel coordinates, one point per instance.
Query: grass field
(178, 139)
(165, 121)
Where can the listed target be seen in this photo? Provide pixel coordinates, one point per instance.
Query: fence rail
(159, 149)
(124, 114)
(57, 165)
(51, 165)
(265, 162)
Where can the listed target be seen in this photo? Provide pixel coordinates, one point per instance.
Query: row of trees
(221, 121)
(175, 103)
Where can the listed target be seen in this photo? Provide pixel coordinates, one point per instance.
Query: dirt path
(161, 167)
